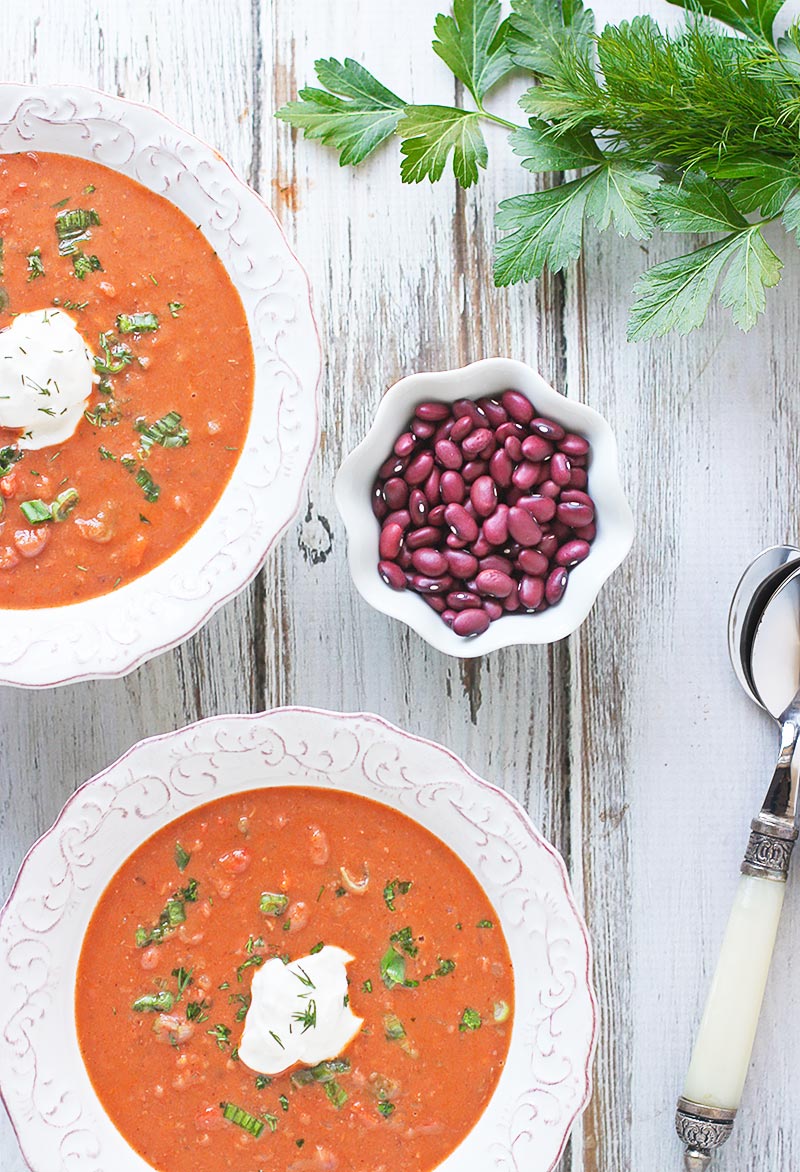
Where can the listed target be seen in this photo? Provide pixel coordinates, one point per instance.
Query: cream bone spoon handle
(721, 1057)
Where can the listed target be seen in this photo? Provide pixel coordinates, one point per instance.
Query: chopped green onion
(393, 1028)
(242, 1119)
(137, 323)
(367, 986)
(386, 1108)
(323, 1072)
(83, 265)
(168, 431)
(315, 948)
(61, 203)
(271, 1121)
(485, 924)
(175, 307)
(115, 357)
(89, 189)
(172, 915)
(262, 1082)
(182, 856)
(336, 1094)
(74, 224)
(272, 903)
(64, 503)
(154, 1002)
(470, 1020)
(35, 266)
(36, 511)
(284, 1102)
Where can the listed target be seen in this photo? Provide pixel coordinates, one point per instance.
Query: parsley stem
(500, 121)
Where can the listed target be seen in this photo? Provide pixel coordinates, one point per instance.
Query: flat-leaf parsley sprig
(695, 131)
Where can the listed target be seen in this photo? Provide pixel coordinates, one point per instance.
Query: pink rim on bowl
(108, 636)
(546, 1082)
(492, 376)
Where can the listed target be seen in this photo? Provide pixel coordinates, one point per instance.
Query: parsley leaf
(675, 295)
(473, 43)
(754, 18)
(354, 114)
(697, 204)
(429, 135)
(543, 147)
(541, 33)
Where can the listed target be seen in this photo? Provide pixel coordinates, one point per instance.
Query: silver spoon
(756, 586)
(721, 1055)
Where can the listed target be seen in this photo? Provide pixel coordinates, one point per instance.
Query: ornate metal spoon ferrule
(703, 1130)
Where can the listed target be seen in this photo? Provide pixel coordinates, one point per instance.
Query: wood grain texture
(621, 741)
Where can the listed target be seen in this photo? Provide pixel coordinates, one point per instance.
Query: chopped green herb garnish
(287, 925)
(367, 986)
(115, 356)
(172, 915)
(318, 947)
(61, 203)
(262, 1082)
(405, 939)
(501, 1011)
(221, 1035)
(340, 891)
(255, 961)
(470, 1020)
(270, 1120)
(148, 486)
(143, 519)
(76, 305)
(304, 978)
(35, 266)
(394, 888)
(273, 903)
(393, 1028)
(299, 1142)
(196, 1011)
(89, 189)
(182, 856)
(175, 307)
(252, 944)
(105, 454)
(82, 265)
(280, 1043)
(443, 968)
(386, 1108)
(242, 1119)
(244, 1001)
(137, 323)
(8, 458)
(168, 432)
(393, 970)
(484, 924)
(307, 1016)
(161, 1002)
(336, 1094)
(73, 225)
(36, 511)
(184, 978)
(284, 1102)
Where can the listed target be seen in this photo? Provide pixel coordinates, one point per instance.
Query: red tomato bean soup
(126, 379)
(251, 892)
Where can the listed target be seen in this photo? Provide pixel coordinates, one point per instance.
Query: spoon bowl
(775, 651)
(755, 589)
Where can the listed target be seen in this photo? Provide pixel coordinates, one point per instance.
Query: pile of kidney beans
(483, 509)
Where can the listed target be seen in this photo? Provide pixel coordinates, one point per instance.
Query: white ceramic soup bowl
(490, 377)
(546, 1081)
(110, 635)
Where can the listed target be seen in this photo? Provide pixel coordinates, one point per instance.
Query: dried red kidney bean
(482, 509)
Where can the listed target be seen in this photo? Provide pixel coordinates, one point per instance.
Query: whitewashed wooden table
(630, 743)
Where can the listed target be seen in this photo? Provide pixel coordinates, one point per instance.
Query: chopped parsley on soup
(294, 979)
(126, 379)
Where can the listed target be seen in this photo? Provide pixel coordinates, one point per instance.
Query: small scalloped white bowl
(492, 376)
(110, 635)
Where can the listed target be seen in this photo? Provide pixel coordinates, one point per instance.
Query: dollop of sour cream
(299, 1012)
(46, 376)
